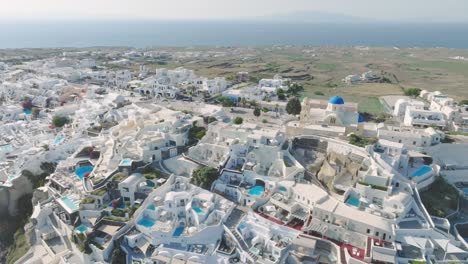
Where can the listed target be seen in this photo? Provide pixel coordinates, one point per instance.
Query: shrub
(360, 142)
(295, 88)
(441, 198)
(225, 101)
(320, 93)
(118, 213)
(195, 133)
(257, 112)
(373, 186)
(238, 120)
(412, 92)
(211, 119)
(118, 177)
(60, 121)
(204, 177)
(280, 93)
(150, 176)
(88, 200)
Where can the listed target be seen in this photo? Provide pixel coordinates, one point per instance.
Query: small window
(368, 231)
(377, 234)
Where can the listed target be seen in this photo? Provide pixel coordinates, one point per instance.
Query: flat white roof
(132, 179)
(109, 229)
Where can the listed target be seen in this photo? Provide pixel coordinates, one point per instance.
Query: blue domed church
(334, 112)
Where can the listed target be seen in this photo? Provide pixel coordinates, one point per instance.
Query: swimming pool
(27, 112)
(6, 148)
(69, 203)
(150, 183)
(83, 171)
(282, 189)
(126, 162)
(151, 207)
(256, 190)
(198, 210)
(422, 171)
(146, 222)
(465, 191)
(178, 231)
(353, 201)
(81, 228)
(58, 139)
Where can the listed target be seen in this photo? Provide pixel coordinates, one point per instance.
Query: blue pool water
(353, 201)
(282, 189)
(58, 139)
(422, 171)
(69, 203)
(241, 226)
(82, 171)
(82, 228)
(146, 222)
(256, 190)
(198, 210)
(151, 207)
(27, 112)
(126, 162)
(465, 191)
(150, 183)
(178, 231)
(6, 148)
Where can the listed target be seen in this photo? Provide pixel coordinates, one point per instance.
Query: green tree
(412, 92)
(463, 102)
(281, 95)
(294, 106)
(257, 112)
(238, 120)
(60, 121)
(225, 101)
(295, 88)
(204, 177)
(195, 134)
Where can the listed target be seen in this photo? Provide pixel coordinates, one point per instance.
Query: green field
(371, 105)
(454, 67)
(325, 66)
(19, 249)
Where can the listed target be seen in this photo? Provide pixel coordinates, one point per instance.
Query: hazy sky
(390, 10)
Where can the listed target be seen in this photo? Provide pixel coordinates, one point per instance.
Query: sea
(141, 34)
